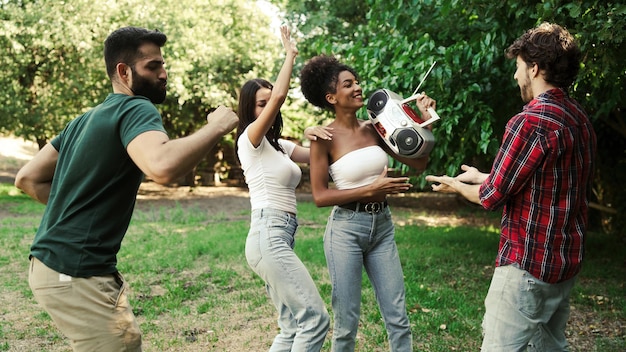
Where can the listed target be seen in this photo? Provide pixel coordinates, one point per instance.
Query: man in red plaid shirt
(542, 177)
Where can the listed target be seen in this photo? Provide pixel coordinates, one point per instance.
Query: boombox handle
(433, 114)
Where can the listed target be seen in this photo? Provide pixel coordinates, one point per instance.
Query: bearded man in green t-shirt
(88, 177)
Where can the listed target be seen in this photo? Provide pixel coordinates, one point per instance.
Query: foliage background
(51, 67)
(393, 43)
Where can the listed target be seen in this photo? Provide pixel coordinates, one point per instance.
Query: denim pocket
(342, 214)
(277, 222)
(253, 249)
(530, 300)
(280, 231)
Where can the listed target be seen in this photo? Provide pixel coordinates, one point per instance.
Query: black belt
(372, 207)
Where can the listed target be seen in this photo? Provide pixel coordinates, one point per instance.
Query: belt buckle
(373, 207)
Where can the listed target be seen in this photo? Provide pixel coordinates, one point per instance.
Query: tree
(52, 67)
(392, 44)
(41, 75)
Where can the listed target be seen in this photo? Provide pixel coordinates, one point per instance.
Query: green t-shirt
(94, 187)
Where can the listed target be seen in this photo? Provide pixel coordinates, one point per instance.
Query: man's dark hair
(123, 45)
(553, 49)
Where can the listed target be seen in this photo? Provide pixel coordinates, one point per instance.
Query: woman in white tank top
(360, 231)
(270, 170)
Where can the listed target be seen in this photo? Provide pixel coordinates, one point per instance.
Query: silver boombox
(399, 125)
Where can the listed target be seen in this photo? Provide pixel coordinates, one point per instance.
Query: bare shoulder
(369, 131)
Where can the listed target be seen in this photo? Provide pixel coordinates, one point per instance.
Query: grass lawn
(191, 288)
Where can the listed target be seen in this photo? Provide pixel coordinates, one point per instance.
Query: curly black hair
(319, 76)
(553, 49)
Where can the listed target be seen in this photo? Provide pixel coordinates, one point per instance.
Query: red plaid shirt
(542, 175)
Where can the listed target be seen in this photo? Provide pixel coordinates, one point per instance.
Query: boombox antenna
(423, 79)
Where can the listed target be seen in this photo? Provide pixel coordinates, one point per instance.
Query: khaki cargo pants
(93, 313)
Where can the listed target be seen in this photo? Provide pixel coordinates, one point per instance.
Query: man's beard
(526, 91)
(145, 88)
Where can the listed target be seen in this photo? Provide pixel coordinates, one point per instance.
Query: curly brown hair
(319, 76)
(553, 49)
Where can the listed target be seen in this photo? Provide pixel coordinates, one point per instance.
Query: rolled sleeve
(520, 154)
(490, 197)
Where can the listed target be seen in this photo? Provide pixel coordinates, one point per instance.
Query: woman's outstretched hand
(288, 44)
(390, 185)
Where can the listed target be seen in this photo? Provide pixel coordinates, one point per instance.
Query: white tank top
(359, 167)
(271, 175)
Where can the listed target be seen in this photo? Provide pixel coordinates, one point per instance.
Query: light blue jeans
(354, 240)
(523, 313)
(302, 315)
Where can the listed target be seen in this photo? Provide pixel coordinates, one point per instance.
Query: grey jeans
(302, 315)
(523, 313)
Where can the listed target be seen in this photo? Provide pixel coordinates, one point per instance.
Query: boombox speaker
(399, 125)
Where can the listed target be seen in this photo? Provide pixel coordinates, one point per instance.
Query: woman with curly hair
(360, 232)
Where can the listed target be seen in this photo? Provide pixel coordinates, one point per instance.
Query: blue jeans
(354, 240)
(523, 313)
(302, 315)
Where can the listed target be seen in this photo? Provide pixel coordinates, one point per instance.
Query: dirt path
(418, 207)
(424, 208)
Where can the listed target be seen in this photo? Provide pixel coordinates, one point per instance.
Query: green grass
(193, 291)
